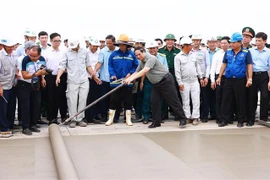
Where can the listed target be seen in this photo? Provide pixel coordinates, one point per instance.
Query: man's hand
(181, 87)
(57, 81)
(127, 76)
(205, 82)
(41, 72)
(114, 78)
(213, 85)
(97, 80)
(1, 91)
(141, 86)
(269, 86)
(249, 83)
(128, 80)
(43, 83)
(218, 81)
(202, 82)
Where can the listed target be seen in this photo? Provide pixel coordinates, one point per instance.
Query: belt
(163, 79)
(260, 72)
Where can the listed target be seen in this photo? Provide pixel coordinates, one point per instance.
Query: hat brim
(170, 39)
(74, 46)
(124, 43)
(248, 34)
(9, 44)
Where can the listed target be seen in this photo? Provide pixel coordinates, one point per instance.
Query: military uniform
(249, 32)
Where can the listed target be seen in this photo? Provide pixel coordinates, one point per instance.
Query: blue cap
(236, 37)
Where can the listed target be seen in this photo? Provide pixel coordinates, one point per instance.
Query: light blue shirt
(20, 50)
(261, 59)
(163, 60)
(103, 58)
(211, 54)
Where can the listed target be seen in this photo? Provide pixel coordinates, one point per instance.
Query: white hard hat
(73, 43)
(151, 44)
(185, 40)
(211, 39)
(30, 33)
(196, 36)
(140, 40)
(94, 41)
(8, 42)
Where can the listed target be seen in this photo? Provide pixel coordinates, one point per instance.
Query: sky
(137, 19)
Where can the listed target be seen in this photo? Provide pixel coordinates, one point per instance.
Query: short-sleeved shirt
(31, 67)
(157, 70)
(170, 56)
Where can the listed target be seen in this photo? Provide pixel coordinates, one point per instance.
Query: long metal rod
(93, 103)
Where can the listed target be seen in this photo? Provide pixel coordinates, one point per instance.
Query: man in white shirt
(91, 114)
(215, 69)
(56, 95)
(187, 72)
(76, 61)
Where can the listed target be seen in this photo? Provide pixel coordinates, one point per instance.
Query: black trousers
(123, 94)
(219, 91)
(93, 94)
(234, 88)
(56, 97)
(208, 102)
(166, 89)
(260, 83)
(104, 104)
(29, 102)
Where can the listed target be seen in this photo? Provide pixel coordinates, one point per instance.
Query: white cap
(196, 36)
(140, 40)
(73, 43)
(185, 40)
(211, 39)
(8, 42)
(30, 33)
(151, 44)
(94, 41)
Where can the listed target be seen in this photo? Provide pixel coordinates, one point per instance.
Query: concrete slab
(27, 159)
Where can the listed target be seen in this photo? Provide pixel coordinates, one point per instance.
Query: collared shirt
(162, 58)
(20, 50)
(261, 59)
(203, 60)
(103, 58)
(211, 54)
(76, 64)
(170, 56)
(52, 58)
(216, 64)
(186, 68)
(7, 69)
(93, 60)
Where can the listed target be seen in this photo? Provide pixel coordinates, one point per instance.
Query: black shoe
(249, 124)
(96, 121)
(182, 123)
(41, 122)
(34, 129)
(222, 124)
(213, 118)
(240, 124)
(230, 122)
(104, 118)
(145, 120)
(53, 122)
(204, 120)
(37, 126)
(27, 132)
(165, 117)
(97, 117)
(154, 125)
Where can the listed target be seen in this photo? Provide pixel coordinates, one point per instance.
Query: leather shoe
(222, 124)
(41, 122)
(204, 120)
(165, 117)
(249, 124)
(154, 125)
(53, 122)
(182, 123)
(145, 121)
(240, 124)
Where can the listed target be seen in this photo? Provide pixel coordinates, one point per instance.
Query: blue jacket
(236, 64)
(120, 64)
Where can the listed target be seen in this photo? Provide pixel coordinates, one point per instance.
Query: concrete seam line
(64, 164)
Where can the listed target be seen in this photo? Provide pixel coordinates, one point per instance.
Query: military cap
(248, 31)
(170, 36)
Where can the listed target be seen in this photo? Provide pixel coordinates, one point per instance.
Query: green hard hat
(219, 37)
(169, 36)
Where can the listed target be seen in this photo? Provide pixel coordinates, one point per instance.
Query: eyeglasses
(57, 41)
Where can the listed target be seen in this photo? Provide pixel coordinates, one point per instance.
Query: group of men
(219, 82)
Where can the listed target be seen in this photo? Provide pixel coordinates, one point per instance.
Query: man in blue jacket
(122, 63)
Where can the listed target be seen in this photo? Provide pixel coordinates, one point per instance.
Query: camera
(48, 71)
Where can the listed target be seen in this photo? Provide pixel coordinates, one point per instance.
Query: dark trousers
(166, 89)
(104, 104)
(219, 91)
(146, 106)
(6, 122)
(55, 98)
(260, 83)
(208, 102)
(234, 88)
(93, 94)
(29, 100)
(139, 100)
(123, 94)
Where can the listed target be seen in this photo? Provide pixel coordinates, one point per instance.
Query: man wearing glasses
(56, 95)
